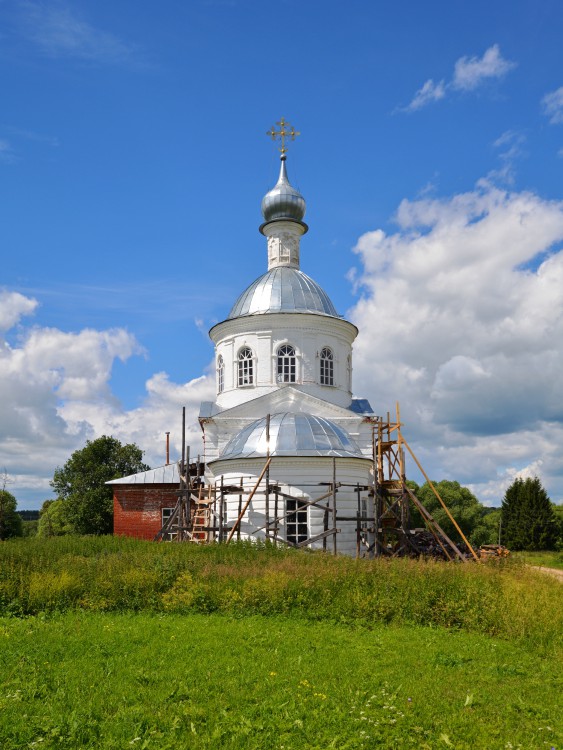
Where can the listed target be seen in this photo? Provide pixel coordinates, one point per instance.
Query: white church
(283, 392)
(284, 351)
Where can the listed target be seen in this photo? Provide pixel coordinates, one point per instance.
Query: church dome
(283, 289)
(283, 201)
(292, 435)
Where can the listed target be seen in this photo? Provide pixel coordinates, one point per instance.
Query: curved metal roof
(283, 289)
(292, 435)
(283, 201)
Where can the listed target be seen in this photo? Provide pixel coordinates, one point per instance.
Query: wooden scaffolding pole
(239, 519)
(442, 503)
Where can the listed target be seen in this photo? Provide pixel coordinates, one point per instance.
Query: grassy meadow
(544, 559)
(115, 643)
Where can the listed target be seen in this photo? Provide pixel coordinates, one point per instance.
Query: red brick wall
(137, 508)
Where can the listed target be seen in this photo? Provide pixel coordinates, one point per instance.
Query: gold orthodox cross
(286, 131)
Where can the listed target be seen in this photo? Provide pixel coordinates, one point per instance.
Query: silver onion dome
(283, 289)
(283, 201)
(292, 434)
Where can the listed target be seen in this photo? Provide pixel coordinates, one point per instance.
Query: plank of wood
(243, 511)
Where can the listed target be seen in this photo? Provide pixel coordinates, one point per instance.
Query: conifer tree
(528, 520)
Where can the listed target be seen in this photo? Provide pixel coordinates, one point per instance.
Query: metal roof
(283, 289)
(292, 434)
(283, 201)
(167, 474)
(361, 406)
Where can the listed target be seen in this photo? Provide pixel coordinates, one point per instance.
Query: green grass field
(114, 643)
(545, 559)
(86, 680)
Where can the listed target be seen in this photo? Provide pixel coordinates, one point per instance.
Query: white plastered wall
(309, 478)
(264, 334)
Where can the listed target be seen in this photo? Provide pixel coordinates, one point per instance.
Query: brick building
(144, 501)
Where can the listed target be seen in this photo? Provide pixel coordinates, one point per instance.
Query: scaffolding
(383, 507)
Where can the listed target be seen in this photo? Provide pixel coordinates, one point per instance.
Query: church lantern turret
(283, 209)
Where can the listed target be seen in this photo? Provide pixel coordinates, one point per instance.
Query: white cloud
(462, 322)
(553, 106)
(429, 92)
(55, 394)
(31, 135)
(509, 146)
(469, 74)
(56, 29)
(146, 425)
(13, 306)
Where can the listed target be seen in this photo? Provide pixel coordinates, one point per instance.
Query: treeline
(84, 503)
(527, 519)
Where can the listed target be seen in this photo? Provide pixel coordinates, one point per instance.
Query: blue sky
(133, 158)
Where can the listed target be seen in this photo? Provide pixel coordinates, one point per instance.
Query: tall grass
(506, 599)
(545, 559)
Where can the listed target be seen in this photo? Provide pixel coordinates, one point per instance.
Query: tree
(462, 504)
(52, 519)
(528, 520)
(10, 520)
(80, 483)
(29, 528)
(489, 526)
(558, 511)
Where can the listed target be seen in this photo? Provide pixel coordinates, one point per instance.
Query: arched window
(349, 371)
(287, 366)
(245, 367)
(327, 367)
(220, 374)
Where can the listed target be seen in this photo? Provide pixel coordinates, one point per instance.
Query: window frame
(245, 367)
(296, 520)
(220, 374)
(326, 367)
(286, 363)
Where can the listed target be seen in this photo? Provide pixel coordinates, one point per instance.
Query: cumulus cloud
(461, 320)
(553, 106)
(13, 306)
(469, 73)
(55, 393)
(147, 424)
